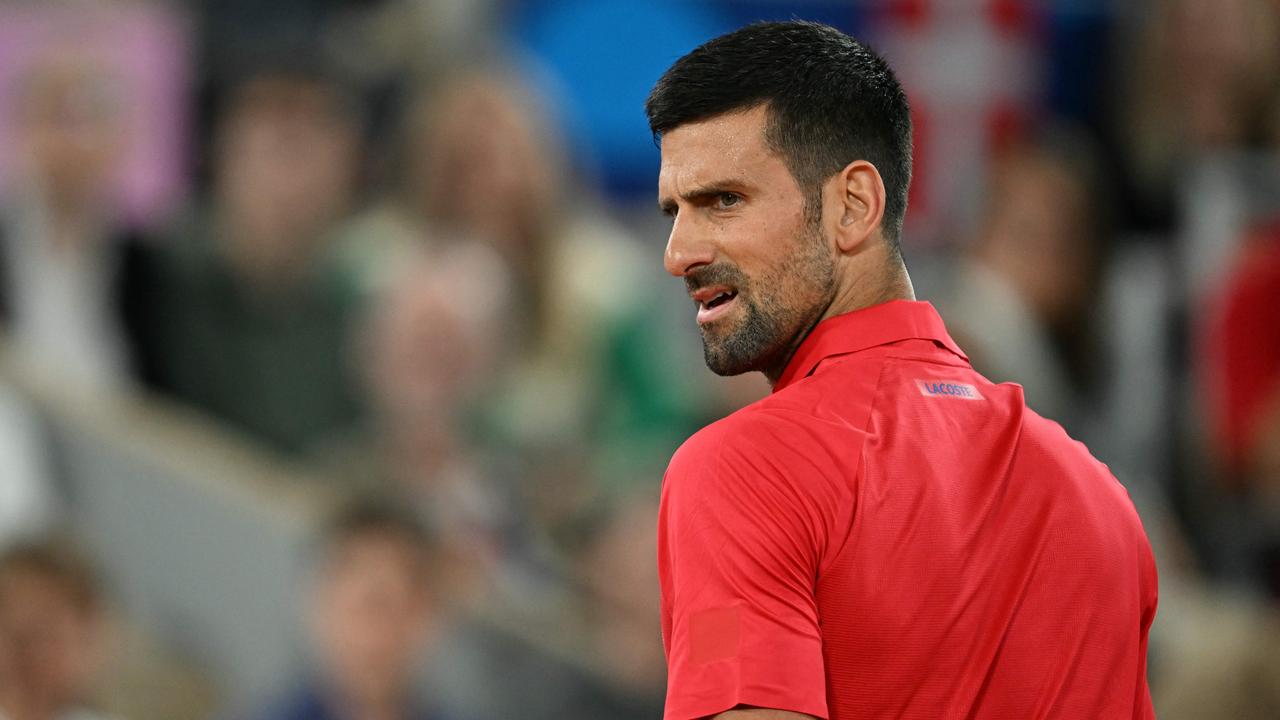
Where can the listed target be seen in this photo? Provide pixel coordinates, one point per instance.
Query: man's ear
(861, 204)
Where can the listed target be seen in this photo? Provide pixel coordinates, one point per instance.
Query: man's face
(48, 646)
(71, 125)
(759, 270)
(371, 616)
(286, 160)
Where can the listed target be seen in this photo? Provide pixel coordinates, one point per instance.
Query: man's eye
(728, 200)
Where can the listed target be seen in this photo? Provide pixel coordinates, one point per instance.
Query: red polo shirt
(891, 535)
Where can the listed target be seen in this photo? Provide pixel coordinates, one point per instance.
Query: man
(372, 618)
(246, 312)
(52, 632)
(888, 534)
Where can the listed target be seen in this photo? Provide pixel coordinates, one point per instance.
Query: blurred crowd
(373, 240)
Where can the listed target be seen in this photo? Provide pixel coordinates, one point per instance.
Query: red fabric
(891, 535)
(910, 13)
(1012, 16)
(1241, 348)
(1007, 122)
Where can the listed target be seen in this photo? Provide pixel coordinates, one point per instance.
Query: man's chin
(724, 363)
(728, 372)
(743, 346)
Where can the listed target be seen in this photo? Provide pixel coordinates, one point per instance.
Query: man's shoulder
(1048, 445)
(772, 440)
(753, 429)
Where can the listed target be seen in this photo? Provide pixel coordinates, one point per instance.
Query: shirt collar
(867, 328)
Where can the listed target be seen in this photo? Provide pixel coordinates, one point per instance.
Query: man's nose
(687, 248)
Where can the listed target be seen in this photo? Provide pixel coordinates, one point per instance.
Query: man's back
(944, 551)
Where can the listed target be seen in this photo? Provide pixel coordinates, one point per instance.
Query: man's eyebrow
(702, 193)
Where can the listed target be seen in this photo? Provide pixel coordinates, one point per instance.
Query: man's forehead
(731, 143)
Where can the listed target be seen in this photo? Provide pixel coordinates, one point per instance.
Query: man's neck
(889, 282)
(850, 296)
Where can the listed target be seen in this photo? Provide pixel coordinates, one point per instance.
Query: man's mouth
(714, 302)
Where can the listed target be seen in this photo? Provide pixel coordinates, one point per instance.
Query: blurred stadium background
(282, 281)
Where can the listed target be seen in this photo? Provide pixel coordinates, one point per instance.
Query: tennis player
(888, 534)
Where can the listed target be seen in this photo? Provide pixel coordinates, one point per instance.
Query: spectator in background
(1217, 650)
(620, 586)
(597, 656)
(1022, 300)
(1242, 353)
(584, 398)
(51, 632)
(1240, 364)
(583, 371)
(1220, 646)
(373, 615)
(62, 241)
(69, 259)
(250, 320)
(431, 344)
(1202, 73)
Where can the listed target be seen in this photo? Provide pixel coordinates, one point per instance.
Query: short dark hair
(831, 100)
(60, 561)
(375, 516)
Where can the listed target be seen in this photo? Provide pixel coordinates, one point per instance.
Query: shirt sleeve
(742, 530)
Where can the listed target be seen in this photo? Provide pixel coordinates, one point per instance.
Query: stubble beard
(787, 300)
